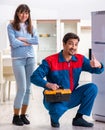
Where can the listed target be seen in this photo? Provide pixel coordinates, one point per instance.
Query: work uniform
(66, 74)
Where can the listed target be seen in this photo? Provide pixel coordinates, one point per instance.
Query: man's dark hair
(68, 36)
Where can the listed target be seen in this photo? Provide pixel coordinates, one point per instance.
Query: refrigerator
(98, 49)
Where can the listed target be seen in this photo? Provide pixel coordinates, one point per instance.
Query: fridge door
(98, 49)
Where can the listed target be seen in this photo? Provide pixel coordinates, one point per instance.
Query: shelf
(46, 21)
(70, 20)
(86, 27)
(46, 50)
(47, 35)
(44, 35)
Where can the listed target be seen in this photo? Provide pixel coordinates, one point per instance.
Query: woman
(22, 36)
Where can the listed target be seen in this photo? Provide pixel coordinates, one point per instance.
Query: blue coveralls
(66, 74)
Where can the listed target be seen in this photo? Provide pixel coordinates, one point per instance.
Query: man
(64, 69)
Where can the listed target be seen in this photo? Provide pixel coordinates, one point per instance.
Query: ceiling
(81, 8)
(57, 3)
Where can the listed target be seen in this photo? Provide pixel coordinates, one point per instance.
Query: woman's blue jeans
(23, 69)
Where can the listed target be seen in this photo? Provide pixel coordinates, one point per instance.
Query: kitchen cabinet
(51, 33)
(49, 39)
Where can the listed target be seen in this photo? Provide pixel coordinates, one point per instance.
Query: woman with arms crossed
(22, 36)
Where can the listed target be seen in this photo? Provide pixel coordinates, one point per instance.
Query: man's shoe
(53, 124)
(81, 122)
(24, 119)
(17, 120)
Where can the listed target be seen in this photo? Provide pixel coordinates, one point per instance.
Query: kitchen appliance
(98, 49)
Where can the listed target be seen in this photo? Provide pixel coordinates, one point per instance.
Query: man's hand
(95, 63)
(52, 86)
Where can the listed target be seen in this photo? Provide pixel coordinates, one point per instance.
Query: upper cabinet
(47, 35)
(70, 25)
(49, 38)
(51, 33)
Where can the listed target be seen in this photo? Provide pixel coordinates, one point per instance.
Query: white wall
(56, 9)
(66, 8)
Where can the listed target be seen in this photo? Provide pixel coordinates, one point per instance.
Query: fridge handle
(90, 53)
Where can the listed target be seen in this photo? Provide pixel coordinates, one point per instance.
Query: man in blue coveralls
(64, 69)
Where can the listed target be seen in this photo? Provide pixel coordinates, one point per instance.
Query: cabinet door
(68, 25)
(47, 38)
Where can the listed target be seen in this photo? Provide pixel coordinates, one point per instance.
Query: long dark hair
(22, 8)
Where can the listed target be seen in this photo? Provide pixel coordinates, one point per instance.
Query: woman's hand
(26, 44)
(24, 40)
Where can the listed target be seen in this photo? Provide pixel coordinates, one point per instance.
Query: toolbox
(58, 95)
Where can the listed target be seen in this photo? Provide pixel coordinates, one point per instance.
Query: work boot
(81, 122)
(53, 124)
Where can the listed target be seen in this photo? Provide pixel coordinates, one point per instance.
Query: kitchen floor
(38, 115)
